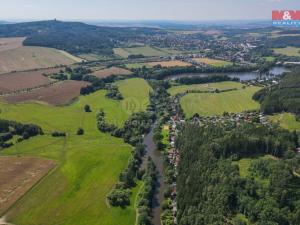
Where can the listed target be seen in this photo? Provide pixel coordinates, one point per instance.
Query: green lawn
(287, 121)
(205, 87)
(209, 104)
(288, 51)
(88, 166)
(144, 50)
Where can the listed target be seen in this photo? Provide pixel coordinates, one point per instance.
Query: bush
(119, 197)
(87, 108)
(80, 131)
(58, 134)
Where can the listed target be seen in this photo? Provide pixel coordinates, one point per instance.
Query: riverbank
(157, 159)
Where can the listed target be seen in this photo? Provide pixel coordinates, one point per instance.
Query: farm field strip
(205, 87)
(11, 43)
(210, 104)
(212, 62)
(146, 51)
(58, 93)
(111, 71)
(15, 81)
(172, 63)
(288, 51)
(88, 165)
(28, 58)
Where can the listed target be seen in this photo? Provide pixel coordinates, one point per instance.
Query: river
(157, 158)
(243, 76)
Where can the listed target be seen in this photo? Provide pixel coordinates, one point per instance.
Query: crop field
(18, 175)
(169, 63)
(88, 165)
(212, 62)
(287, 121)
(205, 87)
(209, 104)
(288, 51)
(11, 43)
(22, 80)
(56, 94)
(145, 51)
(28, 58)
(111, 71)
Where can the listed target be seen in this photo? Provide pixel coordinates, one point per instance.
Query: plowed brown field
(21, 80)
(18, 175)
(56, 94)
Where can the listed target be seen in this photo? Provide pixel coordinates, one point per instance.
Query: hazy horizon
(141, 10)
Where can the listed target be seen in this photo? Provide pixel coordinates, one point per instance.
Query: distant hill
(283, 97)
(73, 37)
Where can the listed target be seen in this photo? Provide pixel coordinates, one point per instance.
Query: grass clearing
(205, 87)
(244, 165)
(287, 121)
(209, 104)
(88, 165)
(288, 51)
(165, 134)
(212, 62)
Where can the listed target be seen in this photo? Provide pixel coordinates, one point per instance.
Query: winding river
(157, 158)
(243, 76)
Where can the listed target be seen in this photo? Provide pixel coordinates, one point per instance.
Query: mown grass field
(136, 94)
(205, 87)
(287, 121)
(88, 166)
(144, 50)
(288, 51)
(209, 104)
(212, 62)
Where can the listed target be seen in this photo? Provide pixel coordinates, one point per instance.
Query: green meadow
(209, 104)
(205, 87)
(287, 121)
(88, 165)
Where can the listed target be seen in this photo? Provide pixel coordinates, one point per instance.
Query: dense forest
(73, 37)
(211, 189)
(284, 96)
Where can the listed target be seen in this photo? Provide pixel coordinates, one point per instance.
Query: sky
(185, 10)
